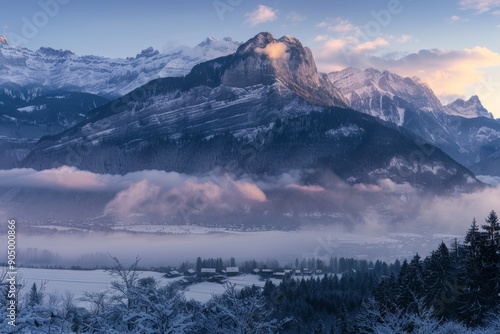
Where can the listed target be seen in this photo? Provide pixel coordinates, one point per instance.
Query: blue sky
(451, 44)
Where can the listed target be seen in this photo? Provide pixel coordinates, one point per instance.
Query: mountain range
(266, 100)
(46, 91)
(261, 109)
(47, 69)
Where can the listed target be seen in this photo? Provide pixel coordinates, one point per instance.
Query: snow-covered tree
(159, 310)
(236, 312)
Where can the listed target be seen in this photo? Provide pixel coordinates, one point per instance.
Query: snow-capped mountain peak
(384, 94)
(469, 109)
(209, 40)
(285, 61)
(387, 95)
(212, 47)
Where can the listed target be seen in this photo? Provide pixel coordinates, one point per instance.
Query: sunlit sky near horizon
(451, 44)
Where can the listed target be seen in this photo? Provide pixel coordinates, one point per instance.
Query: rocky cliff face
(384, 94)
(469, 109)
(266, 60)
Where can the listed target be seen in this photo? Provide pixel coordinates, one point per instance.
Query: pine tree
(410, 284)
(441, 290)
(492, 228)
(490, 259)
(343, 320)
(34, 297)
(198, 264)
(481, 272)
(386, 293)
(470, 309)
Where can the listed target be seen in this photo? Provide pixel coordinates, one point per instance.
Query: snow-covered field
(75, 281)
(79, 281)
(202, 292)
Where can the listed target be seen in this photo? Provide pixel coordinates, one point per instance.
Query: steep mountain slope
(489, 159)
(263, 110)
(462, 138)
(460, 129)
(57, 69)
(384, 94)
(28, 114)
(44, 113)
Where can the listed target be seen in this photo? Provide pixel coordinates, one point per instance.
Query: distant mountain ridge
(51, 69)
(468, 109)
(387, 95)
(463, 129)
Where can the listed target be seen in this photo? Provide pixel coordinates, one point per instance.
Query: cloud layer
(194, 194)
(308, 196)
(261, 15)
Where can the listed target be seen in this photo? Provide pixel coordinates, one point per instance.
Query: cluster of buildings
(212, 275)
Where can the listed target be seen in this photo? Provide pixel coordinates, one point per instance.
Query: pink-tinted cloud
(250, 191)
(274, 50)
(404, 39)
(306, 188)
(454, 19)
(63, 178)
(261, 15)
(472, 71)
(200, 194)
(480, 6)
(371, 45)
